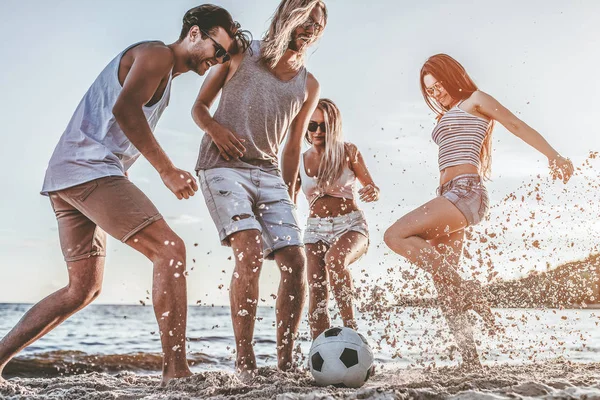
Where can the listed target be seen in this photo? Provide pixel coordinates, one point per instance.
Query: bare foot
(285, 366)
(169, 377)
(372, 371)
(245, 367)
(246, 375)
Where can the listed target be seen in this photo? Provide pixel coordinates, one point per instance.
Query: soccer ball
(341, 357)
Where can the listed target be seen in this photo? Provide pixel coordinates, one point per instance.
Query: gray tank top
(258, 107)
(93, 145)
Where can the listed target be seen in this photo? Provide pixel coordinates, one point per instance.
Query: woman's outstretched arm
(486, 105)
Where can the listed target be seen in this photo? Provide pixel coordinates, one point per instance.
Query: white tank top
(342, 188)
(93, 145)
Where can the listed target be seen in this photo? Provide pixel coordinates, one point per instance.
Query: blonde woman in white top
(336, 232)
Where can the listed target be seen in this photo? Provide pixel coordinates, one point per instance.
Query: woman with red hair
(432, 235)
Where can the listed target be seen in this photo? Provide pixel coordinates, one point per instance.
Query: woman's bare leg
(409, 237)
(451, 247)
(318, 288)
(348, 248)
(412, 237)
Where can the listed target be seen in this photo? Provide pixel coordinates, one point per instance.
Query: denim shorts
(329, 230)
(241, 199)
(469, 195)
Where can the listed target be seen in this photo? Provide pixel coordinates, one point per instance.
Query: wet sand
(557, 379)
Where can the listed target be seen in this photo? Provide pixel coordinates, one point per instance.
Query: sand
(557, 379)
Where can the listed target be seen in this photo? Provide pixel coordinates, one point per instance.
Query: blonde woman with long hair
(432, 235)
(336, 232)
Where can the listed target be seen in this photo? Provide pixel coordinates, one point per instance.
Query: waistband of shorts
(469, 177)
(354, 215)
(275, 170)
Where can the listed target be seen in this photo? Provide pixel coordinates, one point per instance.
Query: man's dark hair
(208, 17)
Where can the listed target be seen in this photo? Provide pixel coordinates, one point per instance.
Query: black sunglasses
(313, 126)
(220, 50)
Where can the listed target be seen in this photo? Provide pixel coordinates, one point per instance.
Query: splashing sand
(552, 379)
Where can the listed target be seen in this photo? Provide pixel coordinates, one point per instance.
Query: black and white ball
(341, 357)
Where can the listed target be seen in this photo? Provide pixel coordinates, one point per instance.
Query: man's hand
(180, 182)
(226, 141)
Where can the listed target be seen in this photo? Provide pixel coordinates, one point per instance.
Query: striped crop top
(459, 136)
(342, 188)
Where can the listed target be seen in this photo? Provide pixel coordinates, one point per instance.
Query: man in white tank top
(91, 194)
(265, 93)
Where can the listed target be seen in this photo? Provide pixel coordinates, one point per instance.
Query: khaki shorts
(85, 212)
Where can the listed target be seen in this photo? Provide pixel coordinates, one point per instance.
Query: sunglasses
(311, 23)
(313, 126)
(436, 86)
(220, 51)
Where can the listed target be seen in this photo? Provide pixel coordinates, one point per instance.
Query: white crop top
(342, 188)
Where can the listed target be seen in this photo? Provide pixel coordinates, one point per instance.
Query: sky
(538, 58)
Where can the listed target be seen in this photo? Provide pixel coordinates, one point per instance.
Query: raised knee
(393, 238)
(388, 237)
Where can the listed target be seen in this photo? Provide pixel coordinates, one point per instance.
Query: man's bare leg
(85, 282)
(243, 296)
(290, 301)
(167, 252)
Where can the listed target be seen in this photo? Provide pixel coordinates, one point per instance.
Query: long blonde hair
(460, 86)
(335, 158)
(289, 15)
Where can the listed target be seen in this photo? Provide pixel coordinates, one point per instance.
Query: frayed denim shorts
(241, 199)
(469, 195)
(329, 230)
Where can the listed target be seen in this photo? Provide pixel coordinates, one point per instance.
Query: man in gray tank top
(264, 93)
(91, 194)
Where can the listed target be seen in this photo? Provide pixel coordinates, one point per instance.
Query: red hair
(459, 85)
